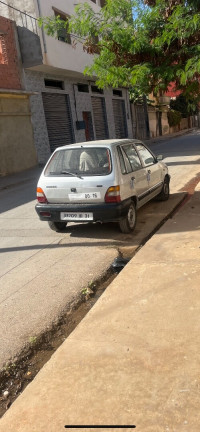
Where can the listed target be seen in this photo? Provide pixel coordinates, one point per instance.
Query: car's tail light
(41, 196)
(113, 195)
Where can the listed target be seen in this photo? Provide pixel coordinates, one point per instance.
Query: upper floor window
(62, 33)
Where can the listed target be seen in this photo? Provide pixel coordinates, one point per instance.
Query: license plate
(85, 196)
(80, 216)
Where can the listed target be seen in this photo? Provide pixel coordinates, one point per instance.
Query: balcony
(28, 35)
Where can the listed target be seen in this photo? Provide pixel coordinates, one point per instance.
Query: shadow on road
(18, 189)
(108, 235)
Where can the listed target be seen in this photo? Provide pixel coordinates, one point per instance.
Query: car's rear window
(83, 161)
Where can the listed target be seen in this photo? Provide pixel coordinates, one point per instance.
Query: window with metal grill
(62, 33)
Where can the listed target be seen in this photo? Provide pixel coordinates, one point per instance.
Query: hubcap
(131, 217)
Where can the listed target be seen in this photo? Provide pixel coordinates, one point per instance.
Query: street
(42, 272)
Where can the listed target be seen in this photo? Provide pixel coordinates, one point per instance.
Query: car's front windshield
(82, 161)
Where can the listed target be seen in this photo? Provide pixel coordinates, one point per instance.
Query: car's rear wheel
(57, 226)
(164, 194)
(128, 223)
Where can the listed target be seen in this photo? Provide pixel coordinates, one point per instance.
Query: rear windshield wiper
(66, 172)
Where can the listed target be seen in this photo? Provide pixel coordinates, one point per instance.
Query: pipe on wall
(43, 35)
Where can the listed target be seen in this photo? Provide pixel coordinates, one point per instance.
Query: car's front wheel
(57, 226)
(128, 223)
(164, 194)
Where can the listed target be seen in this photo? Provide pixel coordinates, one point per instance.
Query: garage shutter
(120, 118)
(100, 120)
(58, 119)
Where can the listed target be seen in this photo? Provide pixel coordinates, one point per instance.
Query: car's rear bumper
(105, 212)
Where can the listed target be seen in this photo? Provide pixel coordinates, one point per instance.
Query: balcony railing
(21, 18)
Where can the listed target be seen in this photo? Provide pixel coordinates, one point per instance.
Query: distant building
(68, 106)
(17, 150)
(172, 92)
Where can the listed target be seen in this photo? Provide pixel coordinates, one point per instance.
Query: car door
(133, 180)
(153, 170)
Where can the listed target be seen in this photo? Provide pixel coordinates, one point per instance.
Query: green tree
(143, 44)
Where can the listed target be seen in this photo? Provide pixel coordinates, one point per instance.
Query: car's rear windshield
(85, 161)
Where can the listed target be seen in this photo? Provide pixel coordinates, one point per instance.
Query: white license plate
(85, 196)
(80, 216)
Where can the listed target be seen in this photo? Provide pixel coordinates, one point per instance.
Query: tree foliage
(186, 107)
(174, 118)
(143, 44)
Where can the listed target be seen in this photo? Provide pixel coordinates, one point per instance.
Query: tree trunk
(146, 116)
(160, 122)
(158, 116)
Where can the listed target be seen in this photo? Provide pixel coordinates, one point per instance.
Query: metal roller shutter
(120, 118)
(58, 119)
(100, 120)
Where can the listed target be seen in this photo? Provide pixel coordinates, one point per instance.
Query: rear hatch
(78, 175)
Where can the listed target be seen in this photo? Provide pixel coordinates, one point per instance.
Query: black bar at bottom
(100, 426)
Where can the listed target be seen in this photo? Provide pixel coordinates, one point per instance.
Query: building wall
(79, 102)
(10, 73)
(57, 53)
(17, 150)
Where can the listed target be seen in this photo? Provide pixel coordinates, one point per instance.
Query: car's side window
(146, 156)
(132, 157)
(121, 160)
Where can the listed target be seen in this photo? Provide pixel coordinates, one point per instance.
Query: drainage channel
(17, 375)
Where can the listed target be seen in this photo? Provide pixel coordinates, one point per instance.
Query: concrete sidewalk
(134, 359)
(21, 177)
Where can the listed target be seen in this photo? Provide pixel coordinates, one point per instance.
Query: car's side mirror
(159, 158)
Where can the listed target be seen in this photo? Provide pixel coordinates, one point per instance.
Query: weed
(32, 340)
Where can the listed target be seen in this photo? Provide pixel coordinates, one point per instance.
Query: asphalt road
(41, 272)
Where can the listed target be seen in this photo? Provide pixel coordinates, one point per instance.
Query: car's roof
(98, 143)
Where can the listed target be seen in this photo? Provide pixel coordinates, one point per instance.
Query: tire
(128, 223)
(57, 226)
(164, 194)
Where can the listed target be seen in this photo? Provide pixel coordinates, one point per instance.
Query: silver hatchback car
(100, 181)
